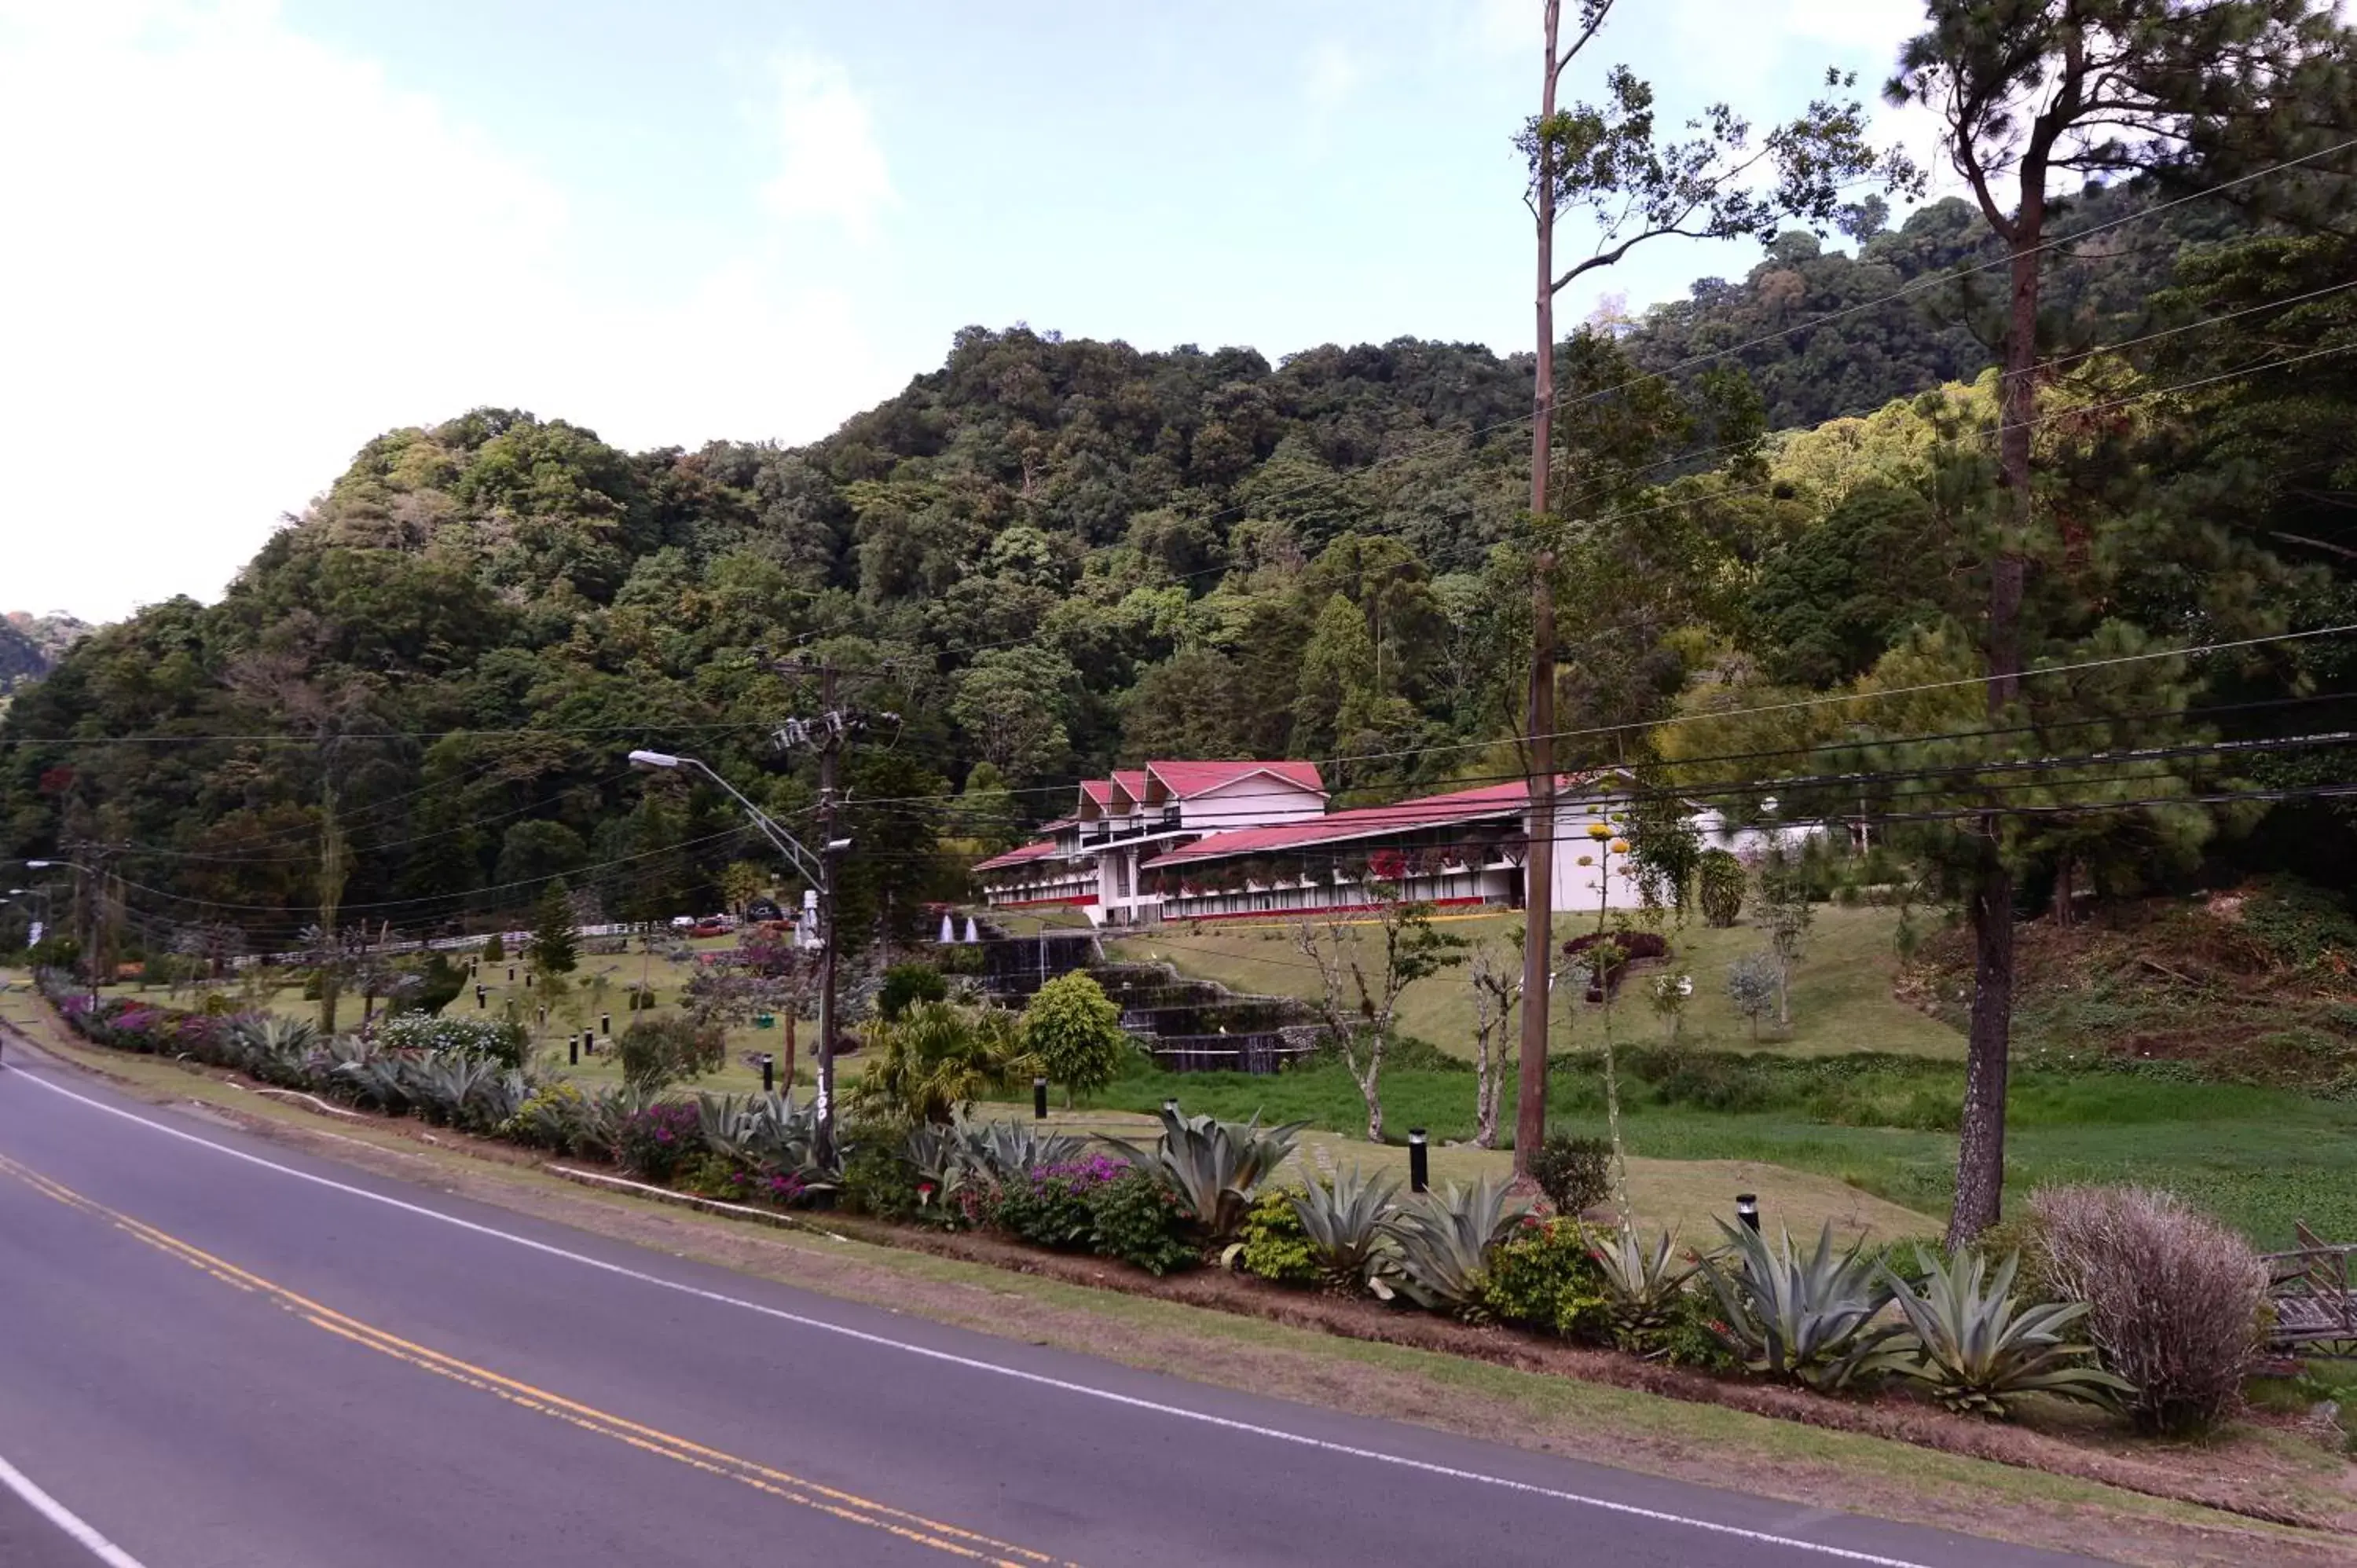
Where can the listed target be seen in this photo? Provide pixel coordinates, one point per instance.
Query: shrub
(1720, 882)
(1273, 1244)
(905, 985)
(552, 1119)
(1050, 1205)
(440, 981)
(640, 998)
(654, 1141)
(878, 1182)
(658, 1051)
(2173, 1297)
(500, 1039)
(1573, 1173)
(1073, 1030)
(495, 949)
(1135, 1220)
(1545, 1275)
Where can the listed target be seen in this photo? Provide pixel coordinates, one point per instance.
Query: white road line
(1180, 1413)
(65, 1519)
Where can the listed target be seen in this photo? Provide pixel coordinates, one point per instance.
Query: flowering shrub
(495, 1037)
(1545, 1274)
(1050, 1206)
(1136, 1218)
(656, 1140)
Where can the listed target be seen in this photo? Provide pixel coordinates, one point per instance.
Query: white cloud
(236, 254)
(830, 165)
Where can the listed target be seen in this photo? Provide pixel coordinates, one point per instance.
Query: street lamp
(819, 870)
(90, 959)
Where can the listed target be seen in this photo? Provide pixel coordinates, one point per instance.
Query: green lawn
(1841, 996)
(2259, 1158)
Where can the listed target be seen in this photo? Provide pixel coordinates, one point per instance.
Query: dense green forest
(1051, 555)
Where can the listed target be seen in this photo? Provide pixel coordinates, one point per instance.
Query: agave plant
(1809, 1319)
(999, 1150)
(275, 1050)
(380, 1080)
(1977, 1349)
(1344, 1222)
(595, 1129)
(1444, 1240)
(1214, 1167)
(1642, 1283)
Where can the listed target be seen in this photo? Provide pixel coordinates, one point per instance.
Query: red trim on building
(1077, 901)
(1175, 918)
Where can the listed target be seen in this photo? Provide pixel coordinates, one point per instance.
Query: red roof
(1029, 852)
(1132, 781)
(1097, 790)
(1365, 822)
(1188, 779)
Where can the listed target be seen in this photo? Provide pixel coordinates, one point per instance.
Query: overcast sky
(242, 238)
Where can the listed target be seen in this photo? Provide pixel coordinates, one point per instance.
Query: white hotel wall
(1259, 801)
(1575, 886)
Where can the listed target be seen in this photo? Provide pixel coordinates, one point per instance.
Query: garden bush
(1720, 880)
(876, 1181)
(495, 949)
(1545, 1275)
(1050, 1205)
(498, 1038)
(654, 1141)
(1575, 1172)
(1135, 1220)
(658, 1051)
(1273, 1243)
(905, 985)
(2173, 1297)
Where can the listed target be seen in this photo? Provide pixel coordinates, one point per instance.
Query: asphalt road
(214, 1351)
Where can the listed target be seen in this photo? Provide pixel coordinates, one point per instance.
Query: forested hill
(1049, 555)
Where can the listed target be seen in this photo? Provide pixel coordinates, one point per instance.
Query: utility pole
(827, 735)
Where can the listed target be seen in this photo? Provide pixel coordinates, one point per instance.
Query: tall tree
(2029, 90)
(1610, 161)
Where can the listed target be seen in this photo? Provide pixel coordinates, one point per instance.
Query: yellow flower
(1619, 847)
(1598, 831)
(1588, 860)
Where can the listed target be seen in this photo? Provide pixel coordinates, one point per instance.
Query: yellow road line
(913, 1528)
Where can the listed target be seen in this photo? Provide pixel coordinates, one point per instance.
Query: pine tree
(555, 947)
(2029, 89)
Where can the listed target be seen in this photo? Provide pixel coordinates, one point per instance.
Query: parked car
(763, 911)
(707, 928)
(682, 922)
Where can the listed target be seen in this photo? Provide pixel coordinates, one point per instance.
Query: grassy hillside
(1842, 999)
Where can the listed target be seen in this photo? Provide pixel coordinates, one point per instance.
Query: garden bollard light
(768, 1073)
(1040, 1097)
(544, 1018)
(482, 999)
(573, 1049)
(1419, 1162)
(1747, 1209)
(511, 975)
(605, 1022)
